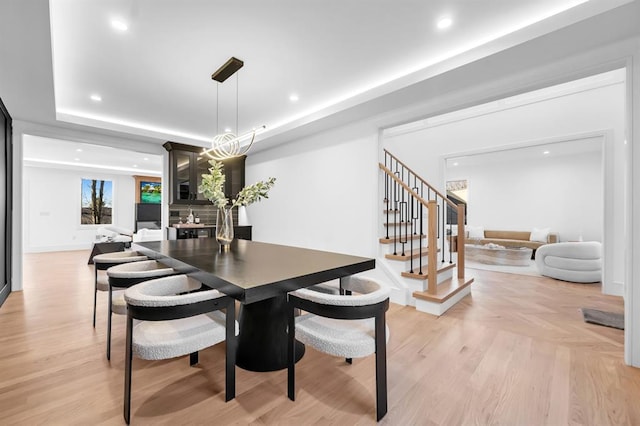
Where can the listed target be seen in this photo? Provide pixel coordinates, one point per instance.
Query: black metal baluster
(395, 217)
(403, 215)
(421, 235)
(411, 238)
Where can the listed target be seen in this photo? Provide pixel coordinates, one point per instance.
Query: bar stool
(102, 262)
(125, 275)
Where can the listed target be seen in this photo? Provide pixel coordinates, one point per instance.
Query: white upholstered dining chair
(124, 276)
(351, 325)
(177, 317)
(102, 262)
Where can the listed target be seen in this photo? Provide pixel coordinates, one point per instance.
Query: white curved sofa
(578, 262)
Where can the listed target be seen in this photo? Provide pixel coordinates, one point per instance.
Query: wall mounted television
(150, 192)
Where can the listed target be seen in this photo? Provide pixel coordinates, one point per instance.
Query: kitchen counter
(181, 231)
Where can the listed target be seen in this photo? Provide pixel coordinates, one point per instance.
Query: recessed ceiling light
(146, 159)
(444, 22)
(96, 97)
(76, 159)
(79, 150)
(455, 164)
(227, 130)
(119, 25)
(546, 152)
(135, 165)
(293, 97)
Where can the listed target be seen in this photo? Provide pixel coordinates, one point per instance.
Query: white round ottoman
(578, 262)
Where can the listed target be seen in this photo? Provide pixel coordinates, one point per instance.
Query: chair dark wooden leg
(291, 354)
(109, 323)
(95, 293)
(193, 358)
(232, 344)
(127, 370)
(381, 366)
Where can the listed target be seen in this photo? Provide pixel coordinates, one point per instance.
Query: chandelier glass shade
(228, 145)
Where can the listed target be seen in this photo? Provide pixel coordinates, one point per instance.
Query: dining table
(259, 275)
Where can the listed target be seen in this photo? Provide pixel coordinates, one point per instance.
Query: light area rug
(608, 319)
(530, 269)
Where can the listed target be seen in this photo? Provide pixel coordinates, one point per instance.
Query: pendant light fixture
(228, 145)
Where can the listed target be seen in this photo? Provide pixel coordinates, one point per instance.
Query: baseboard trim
(70, 247)
(616, 288)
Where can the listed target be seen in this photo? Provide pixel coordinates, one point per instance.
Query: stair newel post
(387, 205)
(432, 244)
(421, 214)
(461, 240)
(449, 238)
(395, 217)
(441, 226)
(403, 217)
(410, 236)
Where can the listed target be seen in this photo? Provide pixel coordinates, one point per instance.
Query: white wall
(599, 110)
(564, 194)
(51, 203)
(594, 110)
(325, 195)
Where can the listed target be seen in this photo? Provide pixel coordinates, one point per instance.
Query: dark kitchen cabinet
(187, 164)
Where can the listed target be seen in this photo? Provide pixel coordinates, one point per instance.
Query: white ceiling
(154, 78)
(155, 83)
(550, 150)
(48, 152)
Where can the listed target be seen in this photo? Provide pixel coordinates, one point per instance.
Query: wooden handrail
(404, 185)
(444, 197)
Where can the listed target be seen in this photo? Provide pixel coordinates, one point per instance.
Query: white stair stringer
(402, 288)
(401, 292)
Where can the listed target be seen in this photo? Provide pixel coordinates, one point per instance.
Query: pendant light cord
(217, 107)
(237, 104)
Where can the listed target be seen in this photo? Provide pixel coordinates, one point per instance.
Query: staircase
(414, 249)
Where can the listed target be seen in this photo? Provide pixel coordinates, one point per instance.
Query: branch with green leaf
(212, 187)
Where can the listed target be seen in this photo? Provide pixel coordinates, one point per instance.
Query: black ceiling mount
(227, 70)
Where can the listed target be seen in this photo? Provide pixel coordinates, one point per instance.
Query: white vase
(224, 227)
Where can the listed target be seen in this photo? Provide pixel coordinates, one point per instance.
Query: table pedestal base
(262, 343)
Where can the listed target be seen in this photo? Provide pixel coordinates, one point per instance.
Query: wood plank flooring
(515, 352)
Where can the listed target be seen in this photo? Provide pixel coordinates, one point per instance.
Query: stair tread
(397, 224)
(390, 240)
(408, 254)
(441, 267)
(445, 290)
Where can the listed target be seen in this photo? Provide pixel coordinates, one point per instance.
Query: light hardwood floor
(516, 352)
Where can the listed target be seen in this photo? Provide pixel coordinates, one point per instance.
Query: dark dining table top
(252, 271)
